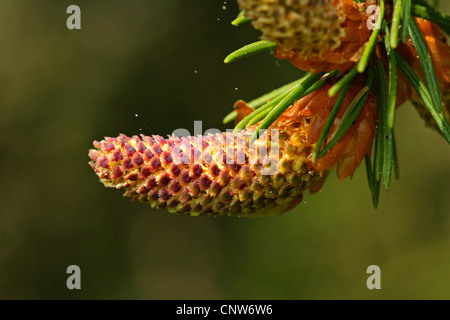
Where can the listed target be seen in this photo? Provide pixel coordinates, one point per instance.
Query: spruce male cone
(222, 174)
(211, 175)
(315, 35)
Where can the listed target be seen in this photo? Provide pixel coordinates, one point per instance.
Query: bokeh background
(152, 67)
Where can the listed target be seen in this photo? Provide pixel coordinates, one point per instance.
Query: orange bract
(439, 52)
(354, 145)
(311, 113)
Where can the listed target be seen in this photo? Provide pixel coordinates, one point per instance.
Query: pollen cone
(315, 35)
(222, 174)
(210, 175)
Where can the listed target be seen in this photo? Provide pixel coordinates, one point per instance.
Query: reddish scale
(141, 147)
(148, 155)
(137, 160)
(215, 188)
(107, 146)
(215, 170)
(224, 178)
(132, 176)
(151, 183)
(175, 170)
(174, 187)
(166, 158)
(117, 172)
(185, 178)
(155, 164)
(146, 171)
(103, 162)
(194, 189)
(164, 195)
(129, 149)
(123, 139)
(157, 149)
(195, 171)
(117, 155)
(185, 196)
(127, 164)
(153, 195)
(164, 179)
(93, 154)
(204, 182)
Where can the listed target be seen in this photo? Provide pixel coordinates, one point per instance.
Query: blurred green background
(152, 67)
